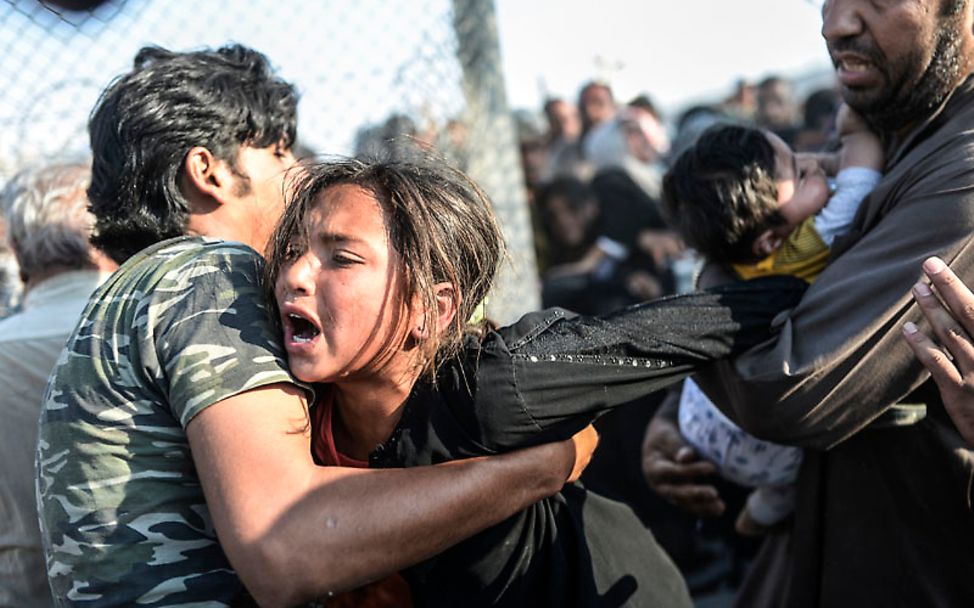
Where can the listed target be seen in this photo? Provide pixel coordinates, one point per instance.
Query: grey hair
(10, 284)
(48, 222)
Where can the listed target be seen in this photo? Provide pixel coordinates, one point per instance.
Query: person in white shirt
(48, 225)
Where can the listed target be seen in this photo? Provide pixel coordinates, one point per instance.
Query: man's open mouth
(854, 65)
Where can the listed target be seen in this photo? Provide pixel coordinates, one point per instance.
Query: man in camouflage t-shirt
(171, 418)
(141, 369)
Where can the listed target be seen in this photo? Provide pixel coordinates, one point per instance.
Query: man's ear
(447, 303)
(207, 175)
(766, 243)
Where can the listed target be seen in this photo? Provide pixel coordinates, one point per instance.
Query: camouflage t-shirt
(179, 327)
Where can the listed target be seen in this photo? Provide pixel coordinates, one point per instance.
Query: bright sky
(356, 62)
(677, 51)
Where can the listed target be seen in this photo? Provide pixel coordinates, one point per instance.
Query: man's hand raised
(951, 363)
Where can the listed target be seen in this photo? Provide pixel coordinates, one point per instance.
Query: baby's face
(801, 181)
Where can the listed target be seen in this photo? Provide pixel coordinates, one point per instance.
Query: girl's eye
(343, 260)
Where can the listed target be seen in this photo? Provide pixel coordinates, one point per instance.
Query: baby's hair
(720, 194)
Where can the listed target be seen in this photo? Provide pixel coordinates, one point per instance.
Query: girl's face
(340, 301)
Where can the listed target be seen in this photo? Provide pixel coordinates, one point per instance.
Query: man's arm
(838, 361)
(295, 531)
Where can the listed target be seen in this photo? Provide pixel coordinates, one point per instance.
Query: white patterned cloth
(741, 458)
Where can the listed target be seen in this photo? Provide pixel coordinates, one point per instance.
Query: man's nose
(841, 19)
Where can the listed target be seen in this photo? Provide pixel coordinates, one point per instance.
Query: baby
(743, 199)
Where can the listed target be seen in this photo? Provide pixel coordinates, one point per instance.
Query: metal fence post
(494, 155)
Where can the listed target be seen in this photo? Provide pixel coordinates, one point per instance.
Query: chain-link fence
(367, 71)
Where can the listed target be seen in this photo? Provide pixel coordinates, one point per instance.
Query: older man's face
(897, 59)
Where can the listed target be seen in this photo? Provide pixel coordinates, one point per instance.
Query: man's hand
(673, 470)
(661, 245)
(643, 286)
(570, 456)
(583, 444)
(951, 364)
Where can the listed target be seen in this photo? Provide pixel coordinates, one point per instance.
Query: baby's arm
(861, 147)
(860, 162)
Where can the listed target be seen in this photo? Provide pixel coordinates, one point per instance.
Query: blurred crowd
(593, 169)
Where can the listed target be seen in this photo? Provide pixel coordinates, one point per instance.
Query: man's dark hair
(550, 103)
(146, 122)
(575, 192)
(770, 81)
(576, 195)
(720, 194)
(582, 112)
(644, 102)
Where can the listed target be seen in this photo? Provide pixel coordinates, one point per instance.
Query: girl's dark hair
(440, 224)
(147, 120)
(720, 194)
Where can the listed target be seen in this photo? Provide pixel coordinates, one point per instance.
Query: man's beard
(907, 100)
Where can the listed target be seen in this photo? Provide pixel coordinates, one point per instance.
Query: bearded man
(884, 506)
